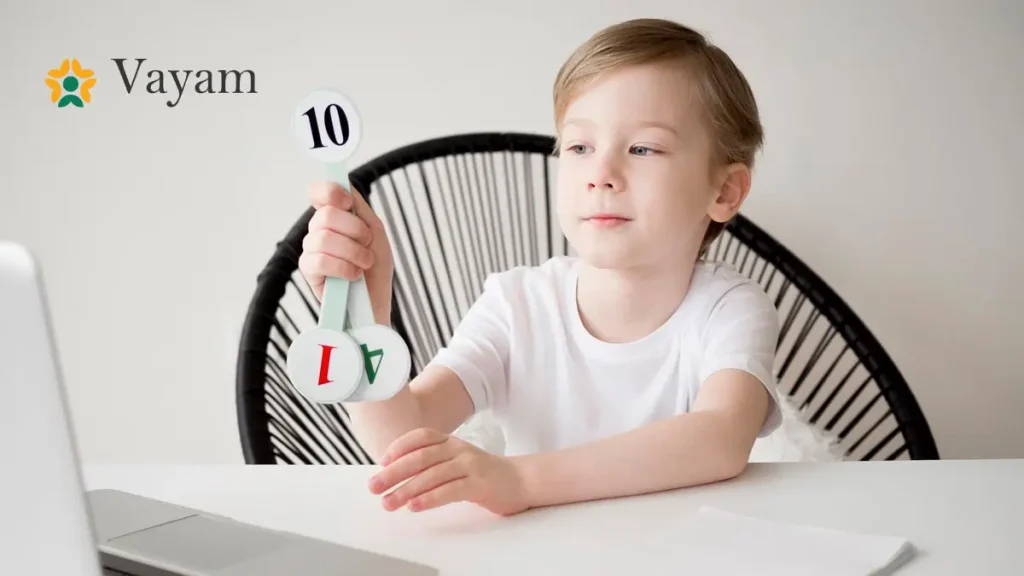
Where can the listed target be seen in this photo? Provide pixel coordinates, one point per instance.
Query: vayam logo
(70, 83)
(177, 82)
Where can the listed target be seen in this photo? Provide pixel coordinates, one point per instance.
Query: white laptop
(50, 526)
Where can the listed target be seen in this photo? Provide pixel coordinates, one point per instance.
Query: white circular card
(325, 366)
(327, 126)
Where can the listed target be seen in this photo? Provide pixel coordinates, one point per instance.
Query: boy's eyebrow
(643, 124)
(661, 126)
(579, 121)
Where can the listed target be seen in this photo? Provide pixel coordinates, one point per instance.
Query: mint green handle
(334, 303)
(342, 308)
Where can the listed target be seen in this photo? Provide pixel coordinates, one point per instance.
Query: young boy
(631, 369)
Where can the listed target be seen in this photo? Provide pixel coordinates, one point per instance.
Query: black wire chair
(460, 207)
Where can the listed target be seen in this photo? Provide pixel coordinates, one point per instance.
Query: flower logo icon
(64, 91)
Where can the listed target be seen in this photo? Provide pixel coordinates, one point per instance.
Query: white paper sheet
(719, 542)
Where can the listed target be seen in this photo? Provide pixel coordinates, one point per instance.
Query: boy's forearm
(435, 399)
(686, 450)
(377, 424)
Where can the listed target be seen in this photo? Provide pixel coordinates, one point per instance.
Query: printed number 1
(325, 364)
(371, 370)
(314, 125)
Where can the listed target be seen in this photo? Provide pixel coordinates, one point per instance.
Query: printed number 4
(371, 370)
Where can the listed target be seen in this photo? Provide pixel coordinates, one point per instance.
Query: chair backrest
(460, 207)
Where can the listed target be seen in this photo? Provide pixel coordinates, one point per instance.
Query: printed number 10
(314, 125)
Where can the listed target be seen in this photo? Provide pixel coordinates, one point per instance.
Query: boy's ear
(732, 188)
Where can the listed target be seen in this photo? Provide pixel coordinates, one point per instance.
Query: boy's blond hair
(730, 111)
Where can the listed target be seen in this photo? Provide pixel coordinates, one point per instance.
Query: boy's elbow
(735, 465)
(720, 467)
(733, 460)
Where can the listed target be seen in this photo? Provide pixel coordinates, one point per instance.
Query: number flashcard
(348, 357)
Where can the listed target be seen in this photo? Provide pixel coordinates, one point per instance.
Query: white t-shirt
(523, 352)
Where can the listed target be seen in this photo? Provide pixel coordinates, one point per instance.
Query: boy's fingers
(332, 194)
(328, 221)
(408, 466)
(448, 493)
(426, 481)
(329, 194)
(411, 441)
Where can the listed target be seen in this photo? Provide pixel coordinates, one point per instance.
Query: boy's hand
(443, 469)
(347, 240)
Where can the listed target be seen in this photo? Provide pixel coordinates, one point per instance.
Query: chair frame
(273, 281)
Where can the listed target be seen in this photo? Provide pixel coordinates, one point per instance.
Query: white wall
(894, 135)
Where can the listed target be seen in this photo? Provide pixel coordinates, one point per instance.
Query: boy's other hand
(347, 240)
(442, 469)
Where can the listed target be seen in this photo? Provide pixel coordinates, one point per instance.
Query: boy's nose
(604, 177)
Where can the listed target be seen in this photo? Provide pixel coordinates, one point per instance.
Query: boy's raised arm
(346, 239)
(467, 375)
(435, 399)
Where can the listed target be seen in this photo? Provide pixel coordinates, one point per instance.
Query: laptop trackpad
(200, 543)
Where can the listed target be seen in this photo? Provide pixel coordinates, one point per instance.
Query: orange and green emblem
(70, 88)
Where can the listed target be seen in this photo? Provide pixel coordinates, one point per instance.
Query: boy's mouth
(606, 220)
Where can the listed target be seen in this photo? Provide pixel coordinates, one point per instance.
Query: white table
(964, 517)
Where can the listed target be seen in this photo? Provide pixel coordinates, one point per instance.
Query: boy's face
(635, 181)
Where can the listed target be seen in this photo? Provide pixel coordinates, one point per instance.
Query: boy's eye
(642, 150)
(577, 148)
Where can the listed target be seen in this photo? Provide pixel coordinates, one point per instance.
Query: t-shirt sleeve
(478, 349)
(742, 333)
